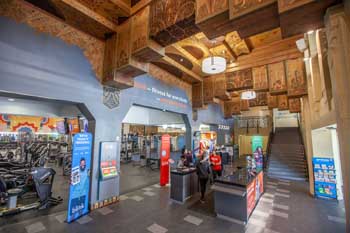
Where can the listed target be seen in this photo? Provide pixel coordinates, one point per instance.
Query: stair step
(296, 174)
(276, 169)
(288, 178)
(283, 165)
(285, 161)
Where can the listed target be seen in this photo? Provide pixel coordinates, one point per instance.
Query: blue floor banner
(78, 203)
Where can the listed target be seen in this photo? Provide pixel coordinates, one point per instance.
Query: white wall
(284, 119)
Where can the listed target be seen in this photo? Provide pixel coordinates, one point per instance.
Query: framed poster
(164, 160)
(80, 177)
(260, 79)
(277, 76)
(296, 79)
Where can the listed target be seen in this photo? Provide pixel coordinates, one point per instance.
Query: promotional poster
(108, 163)
(325, 178)
(80, 177)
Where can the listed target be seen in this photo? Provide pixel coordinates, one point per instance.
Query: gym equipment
(43, 179)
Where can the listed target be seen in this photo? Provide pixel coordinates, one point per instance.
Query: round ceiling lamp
(248, 95)
(213, 65)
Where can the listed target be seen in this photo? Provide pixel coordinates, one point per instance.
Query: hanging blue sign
(80, 176)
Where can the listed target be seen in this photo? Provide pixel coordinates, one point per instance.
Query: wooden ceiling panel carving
(41, 21)
(260, 79)
(220, 87)
(265, 38)
(286, 5)
(239, 80)
(296, 78)
(282, 101)
(208, 90)
(240, 8)
(172, 20)
(294, 105)
(209, 8)
(169, 68)
(260, 100)
(197, 95)
(277, 76)
(244, 105)
(272, 101)
(232, 107)
(235, 42)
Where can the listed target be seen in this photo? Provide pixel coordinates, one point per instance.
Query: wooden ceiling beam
(123, 6)
(90, 13)
(141, 4)
(230, 50)
(182, 68)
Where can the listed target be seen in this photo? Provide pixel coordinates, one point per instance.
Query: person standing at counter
(216, 167)
(203, 171)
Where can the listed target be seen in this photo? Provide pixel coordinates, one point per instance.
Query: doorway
(142, 131)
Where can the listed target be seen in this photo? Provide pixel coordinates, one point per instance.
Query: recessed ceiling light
(11, 100)
(181, 60)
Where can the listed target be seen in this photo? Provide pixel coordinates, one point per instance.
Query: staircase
(287, 158)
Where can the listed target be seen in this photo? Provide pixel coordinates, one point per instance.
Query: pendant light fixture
(213, 65)
(248, 95)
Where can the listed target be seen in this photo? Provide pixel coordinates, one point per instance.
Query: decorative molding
(240, 8)
(287, 5)
(111, 97)
(23, 12)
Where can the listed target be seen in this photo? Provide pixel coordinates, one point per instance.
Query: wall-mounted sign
(164, 160)
(80, 176)
(325, 178)
(223, 127)
(108, 162)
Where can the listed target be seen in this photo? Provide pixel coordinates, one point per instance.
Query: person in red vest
(216, 166)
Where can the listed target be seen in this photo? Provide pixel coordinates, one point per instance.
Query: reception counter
(237, 194)
(184, 184)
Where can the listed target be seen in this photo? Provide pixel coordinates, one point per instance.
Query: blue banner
(325, 178)
(80, 177)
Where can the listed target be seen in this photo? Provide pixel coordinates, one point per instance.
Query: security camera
(301, 44)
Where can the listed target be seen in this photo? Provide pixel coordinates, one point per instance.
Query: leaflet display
(108, 162)
(325, 178)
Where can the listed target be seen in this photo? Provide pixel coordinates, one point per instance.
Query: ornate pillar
(338, 36)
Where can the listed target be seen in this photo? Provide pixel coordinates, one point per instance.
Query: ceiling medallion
(213, 65)
(248, 95)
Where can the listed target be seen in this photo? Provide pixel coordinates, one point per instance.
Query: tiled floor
(295, 211)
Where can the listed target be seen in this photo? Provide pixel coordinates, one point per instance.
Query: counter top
(183, 171)
(240, 178)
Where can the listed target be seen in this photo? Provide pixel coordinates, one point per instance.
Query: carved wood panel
(25, 13)
(294, 105)
(239, 80)
(172, 20)
(237, 45)
(282, 101)
(296, 79)
(208, 90)
(209, 8)
(220, 90)
(277, 78)
(197, 95)
(260, 79)
(260, 100)
(244, 105)
(243, 7)
(286, 5)
(142, 47)
(272, 101)
(123, 44)
(232, 107)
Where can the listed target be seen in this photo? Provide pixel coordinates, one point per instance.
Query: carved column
(338, 35)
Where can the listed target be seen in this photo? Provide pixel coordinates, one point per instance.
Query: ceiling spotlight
(213, 65)
(11, 100)
(181, 59)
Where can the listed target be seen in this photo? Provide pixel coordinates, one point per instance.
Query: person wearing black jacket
(203, 171)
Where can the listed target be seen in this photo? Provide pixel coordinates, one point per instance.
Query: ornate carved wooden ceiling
(125, 38)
